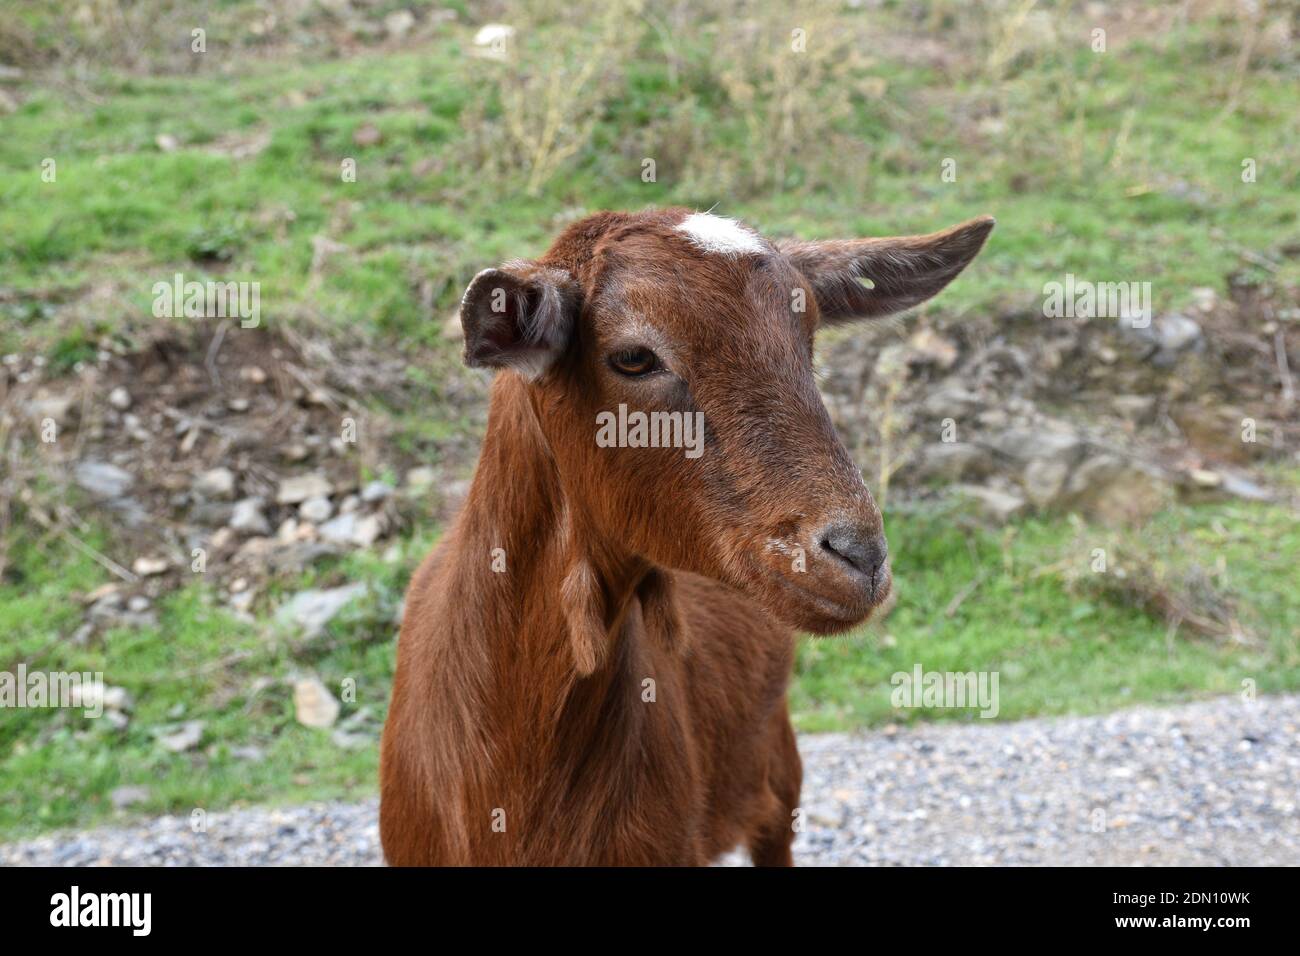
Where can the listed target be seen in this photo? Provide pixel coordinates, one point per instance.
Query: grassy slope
(126, 213)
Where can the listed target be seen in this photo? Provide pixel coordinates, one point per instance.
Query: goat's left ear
(900, 271)
(519, 316)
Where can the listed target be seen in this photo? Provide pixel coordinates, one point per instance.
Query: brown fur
(520, 731)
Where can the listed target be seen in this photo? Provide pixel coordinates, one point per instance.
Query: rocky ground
(1209, 783)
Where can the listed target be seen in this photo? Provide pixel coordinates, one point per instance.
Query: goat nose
(866, 551)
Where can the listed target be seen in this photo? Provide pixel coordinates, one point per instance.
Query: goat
(593, 663)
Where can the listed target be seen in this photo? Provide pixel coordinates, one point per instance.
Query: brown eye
(634, 362)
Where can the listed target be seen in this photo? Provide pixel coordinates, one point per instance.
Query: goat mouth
(802, 604)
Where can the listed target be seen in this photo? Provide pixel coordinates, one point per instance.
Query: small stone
(313, 704)
(253, 374)
(138, 604)
(315, 510)
(341, 529)
(997, 506)
(310, 611)
(301, 487)
(185, 737)
(102, 480)
(247, 517)
(399, 23)
(216, 483)
(376, 491)
(367, 531)
(1042, 481)
(120, 398)
(150, 567)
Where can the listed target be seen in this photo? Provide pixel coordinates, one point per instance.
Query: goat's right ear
(519, 316)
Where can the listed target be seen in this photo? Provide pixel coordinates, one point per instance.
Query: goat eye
(634, 362)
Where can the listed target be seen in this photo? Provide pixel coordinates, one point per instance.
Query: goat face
(669, 360)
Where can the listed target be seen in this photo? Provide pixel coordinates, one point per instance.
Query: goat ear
(519, 316)
(902, 271)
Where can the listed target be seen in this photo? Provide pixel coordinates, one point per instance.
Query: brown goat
(594, 660)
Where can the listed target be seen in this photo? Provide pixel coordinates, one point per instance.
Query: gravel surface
(1215, 782)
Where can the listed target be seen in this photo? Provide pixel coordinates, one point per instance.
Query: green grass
(1056, 648)
(1125, 165)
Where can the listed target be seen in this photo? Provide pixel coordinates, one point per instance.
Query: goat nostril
(864, 551)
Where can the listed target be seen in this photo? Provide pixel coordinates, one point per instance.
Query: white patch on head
(723, 236)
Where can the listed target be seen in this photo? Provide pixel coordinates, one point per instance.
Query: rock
(301, 487)
(951, 461)
(399, 23)
(1116, 492)
(1241, 487)
(129, 796)
(1135, 408)
(149, 567)
(993, 505)
(1042, 481)
(167, 143)
(138, 604)
(341, 529)
(951, 400)
(310, 611)
(1204, 299)
(215, 483)
(120, 399)
(93, 696)
(315, 510)
(182, 738)
(252, 373)
(352, 528)
(247, 517)
(376, 491)
(313, 704)
(55, 407)
(367, 531)
(1167, 338)
(102, 480)
(1048, 442)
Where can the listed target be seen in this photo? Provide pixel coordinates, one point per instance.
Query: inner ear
(867, 278)
(520, 316)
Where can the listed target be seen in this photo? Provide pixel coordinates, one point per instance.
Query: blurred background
(222, 519)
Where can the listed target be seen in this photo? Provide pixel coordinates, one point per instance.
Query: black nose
(865, 551)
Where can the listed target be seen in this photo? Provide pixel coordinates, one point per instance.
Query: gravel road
(1215, 782)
